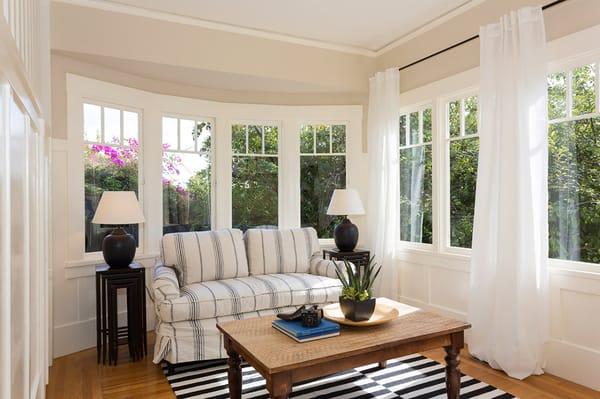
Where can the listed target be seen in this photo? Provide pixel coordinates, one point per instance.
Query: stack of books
(296, 331)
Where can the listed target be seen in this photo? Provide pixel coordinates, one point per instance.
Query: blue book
(296, 330)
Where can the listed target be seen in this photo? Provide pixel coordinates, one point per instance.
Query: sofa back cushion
(280, 251)
(205, 255)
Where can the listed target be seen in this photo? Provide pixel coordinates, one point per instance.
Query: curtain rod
(547, 6)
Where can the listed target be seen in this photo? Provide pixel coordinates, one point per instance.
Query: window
(574, 164)
(254, 183)
(111, 137)
(186, 174)
(322, 170)
(415, 176)
(463, 143)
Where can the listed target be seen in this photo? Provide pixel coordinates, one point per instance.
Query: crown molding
(467, 5)
(175, 18)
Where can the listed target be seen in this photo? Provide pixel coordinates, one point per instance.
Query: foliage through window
(415, 176)
(463, 141)
(254, 182)
(322, 170)
(186, 174)
(574, 164)
(111, 154)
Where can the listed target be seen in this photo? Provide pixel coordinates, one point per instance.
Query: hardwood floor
(78, 376)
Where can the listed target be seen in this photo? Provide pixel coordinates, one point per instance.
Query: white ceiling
(368, 25)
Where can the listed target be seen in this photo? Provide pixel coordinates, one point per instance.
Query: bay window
(186, 174)
(111, 153)
(415, 162)
(574, 164)
(254, 175)
(322, 170)
(463, 147)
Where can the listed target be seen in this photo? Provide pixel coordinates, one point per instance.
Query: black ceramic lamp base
(346, 235)
(118, 248)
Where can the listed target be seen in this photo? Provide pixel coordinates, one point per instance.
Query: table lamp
(118, 208)
(345, 202)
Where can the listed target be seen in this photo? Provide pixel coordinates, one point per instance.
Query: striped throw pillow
(205, 255)
(280, 251)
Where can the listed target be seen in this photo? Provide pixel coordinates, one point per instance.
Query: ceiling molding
(429, 26)
(175, 18)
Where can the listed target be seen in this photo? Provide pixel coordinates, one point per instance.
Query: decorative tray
(382, 314)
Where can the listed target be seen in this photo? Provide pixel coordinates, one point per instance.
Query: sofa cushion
(280, 251)
(247, 294)
(205, 255)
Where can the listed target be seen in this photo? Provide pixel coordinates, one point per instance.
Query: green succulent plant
(355, 287)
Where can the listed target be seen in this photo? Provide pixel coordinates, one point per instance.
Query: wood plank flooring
(78, 376)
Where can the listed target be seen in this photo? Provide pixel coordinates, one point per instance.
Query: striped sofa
(214, 276)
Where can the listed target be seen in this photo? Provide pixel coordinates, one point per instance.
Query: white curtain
(508, 305)
(383, 201)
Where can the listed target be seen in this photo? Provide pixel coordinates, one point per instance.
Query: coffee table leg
(383, 364)
(234, 373)
(452, 361)
(279, 385)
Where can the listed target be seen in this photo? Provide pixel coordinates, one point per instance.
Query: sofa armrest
(165, 284)
(326, 267)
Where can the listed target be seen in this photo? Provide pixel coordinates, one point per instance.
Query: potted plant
(357, 301)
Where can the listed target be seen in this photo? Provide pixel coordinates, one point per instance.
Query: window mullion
(569, 93)
(462, 117)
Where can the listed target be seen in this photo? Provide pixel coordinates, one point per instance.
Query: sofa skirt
(194, 340)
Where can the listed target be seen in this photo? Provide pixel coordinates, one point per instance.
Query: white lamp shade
(345, 202)
(118, 207)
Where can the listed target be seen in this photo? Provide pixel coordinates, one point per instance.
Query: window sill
(96, 259)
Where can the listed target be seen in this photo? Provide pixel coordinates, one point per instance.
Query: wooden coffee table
(283, 361)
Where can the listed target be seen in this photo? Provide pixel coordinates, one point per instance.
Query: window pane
(254, 192)
(454, 118)
(322, 132)
(91, 123)
(271, 139)
(471, 115)
(187, 131)
(307, 143)
(338, 139)
(463, 178)
(403, 130)
(557, 96)
(107, 168)
(112, 125)
(169, 133)
(255, 145)
(319, 176)
(584, 94)
(238, 139)
(574, 190)
(415, 194)
(414, 128)
(427, 125)
(186, 192)
(130, 126)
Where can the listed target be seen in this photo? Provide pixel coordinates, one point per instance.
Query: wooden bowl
(382, 314)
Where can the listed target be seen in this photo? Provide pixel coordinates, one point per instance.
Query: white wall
(24, 150)
(74, 296)
(437, 277)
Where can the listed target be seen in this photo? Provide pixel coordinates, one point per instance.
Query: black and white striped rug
(412, 376)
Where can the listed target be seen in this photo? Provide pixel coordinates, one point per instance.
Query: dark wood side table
(359, 257)
(108, 333)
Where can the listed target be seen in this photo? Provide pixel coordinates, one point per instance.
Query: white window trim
(153, 106)
(564, 53)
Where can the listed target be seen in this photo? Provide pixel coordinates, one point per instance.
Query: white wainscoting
(441, 284)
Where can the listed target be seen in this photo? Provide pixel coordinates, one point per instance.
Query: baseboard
(574, 363)
(74, 337)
